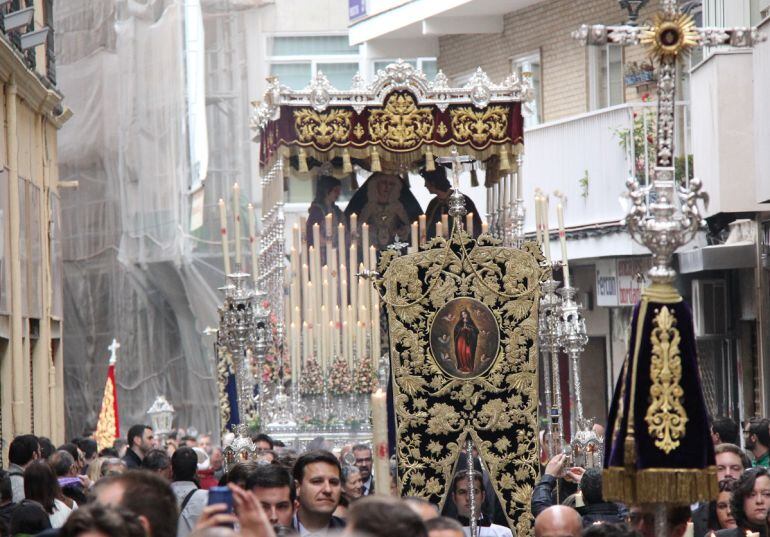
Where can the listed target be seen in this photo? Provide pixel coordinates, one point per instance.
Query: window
(295, 60)
(429, 66)
(605, 68)
(529, 66)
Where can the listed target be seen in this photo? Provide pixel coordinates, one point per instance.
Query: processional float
(658, 446)
(461, 313)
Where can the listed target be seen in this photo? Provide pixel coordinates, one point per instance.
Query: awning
(719, 257)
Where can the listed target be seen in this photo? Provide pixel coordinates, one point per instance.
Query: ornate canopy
(393, 123)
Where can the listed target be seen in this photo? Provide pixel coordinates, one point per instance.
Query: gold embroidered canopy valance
(398, 121)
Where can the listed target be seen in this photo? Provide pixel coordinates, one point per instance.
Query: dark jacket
(132, 460)
(542, 495)
(336, 523)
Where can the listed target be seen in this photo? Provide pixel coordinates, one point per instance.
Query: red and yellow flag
(108, 426)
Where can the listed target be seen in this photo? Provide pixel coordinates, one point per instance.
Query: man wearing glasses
(757, 440)
(363, 455)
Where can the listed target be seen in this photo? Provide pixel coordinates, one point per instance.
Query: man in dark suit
(140, 442)
(317, 476)
(363, 455)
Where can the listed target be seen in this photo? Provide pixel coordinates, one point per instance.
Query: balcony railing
(589, 157)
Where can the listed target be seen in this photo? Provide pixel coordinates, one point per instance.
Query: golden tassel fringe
(505, 164)
(654, 485)
(302, 162)
(376, 161)
(430, 164)
(346, 166)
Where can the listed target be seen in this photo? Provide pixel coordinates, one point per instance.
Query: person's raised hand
(215, 515)
(554, 466)
(252, 517)
(575, 474)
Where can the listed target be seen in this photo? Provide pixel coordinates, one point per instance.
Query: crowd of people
(139, 487)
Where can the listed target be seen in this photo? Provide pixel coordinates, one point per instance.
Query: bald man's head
(558, 521)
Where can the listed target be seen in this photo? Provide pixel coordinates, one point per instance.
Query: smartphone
(221, 495)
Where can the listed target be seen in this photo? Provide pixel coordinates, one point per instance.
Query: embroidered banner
(463, 330)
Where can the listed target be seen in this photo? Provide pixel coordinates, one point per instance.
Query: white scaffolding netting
(133, 268)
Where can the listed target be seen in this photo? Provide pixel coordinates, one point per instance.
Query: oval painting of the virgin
(464, 338)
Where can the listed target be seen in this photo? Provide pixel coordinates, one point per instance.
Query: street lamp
(633, 7)
(161, 415)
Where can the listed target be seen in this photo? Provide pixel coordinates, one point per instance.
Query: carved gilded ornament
(670, 35)
(479, 126)
(321, 129)
(441, 398)
(400, 124)
(666, 417)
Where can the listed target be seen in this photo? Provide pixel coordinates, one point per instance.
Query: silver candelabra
(548, 336)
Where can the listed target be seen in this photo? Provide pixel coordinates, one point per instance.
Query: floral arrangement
(365, 379)
(641, 140)
(340, 379)
(312, 381)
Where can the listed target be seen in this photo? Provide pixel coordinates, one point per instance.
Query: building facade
(594, 110)
(31, 354)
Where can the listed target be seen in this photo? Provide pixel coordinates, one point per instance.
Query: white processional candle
(351, 332)
(376, 330)
(305, 342)
(373, 257)
(334, 280)
(469, 223)
(365, 243)
(303, 286)
(381, 452)
(563, 241)
(353, 283)
(484, 228)
(445, 224)
(237, 222)
(364, 316)
(325, 358)
(538, 229)
(341, 246)
(415, 237)
(439, 229)
(223, 233)
(353, 224)
(546, 230)
(253, 241)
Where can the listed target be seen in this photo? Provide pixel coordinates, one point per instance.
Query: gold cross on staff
(672, 35)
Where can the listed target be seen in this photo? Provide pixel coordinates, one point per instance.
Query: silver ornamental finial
(656, 222)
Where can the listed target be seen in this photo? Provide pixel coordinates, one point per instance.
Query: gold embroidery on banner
(321, 129)
(498, 407)
(666, 417)
(359, 131)
(401, 124)
(105, 426)
(442, 130)
(480, 126)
